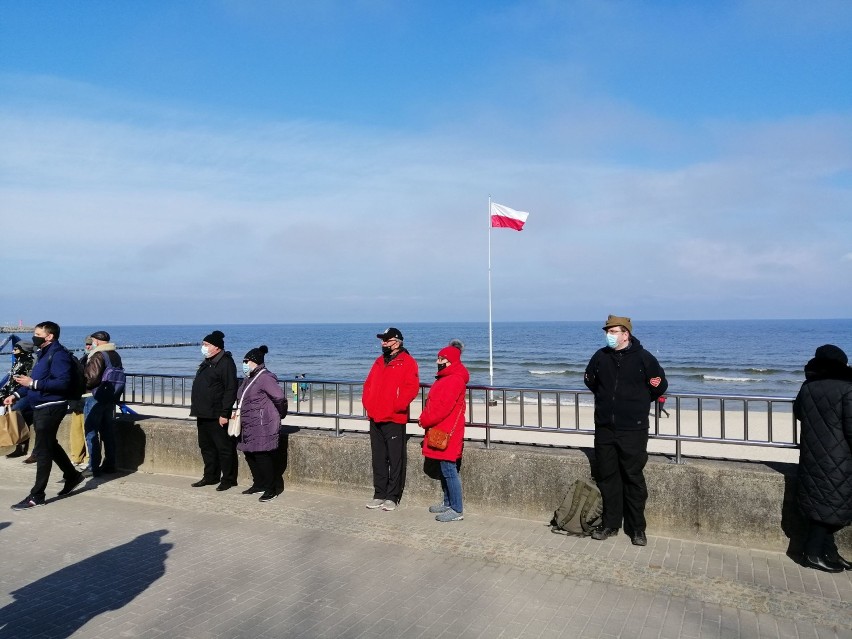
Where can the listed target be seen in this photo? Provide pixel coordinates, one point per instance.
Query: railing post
(487, 420)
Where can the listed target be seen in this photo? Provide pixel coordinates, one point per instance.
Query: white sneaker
(389, 504)
(375, 503)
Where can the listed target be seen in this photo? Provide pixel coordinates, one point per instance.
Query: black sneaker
(267, 496)
(204, 482)
(639, 538)
(252, 490)
(71, 484)
(29, 502)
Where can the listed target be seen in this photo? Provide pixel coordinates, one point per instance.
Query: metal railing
(710, 419)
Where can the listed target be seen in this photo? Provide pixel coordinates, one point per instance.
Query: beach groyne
(746, 504)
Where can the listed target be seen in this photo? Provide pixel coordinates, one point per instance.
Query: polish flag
(502, 217)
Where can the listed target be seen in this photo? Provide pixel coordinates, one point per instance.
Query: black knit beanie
(256, 354)
(830, 351)
(216, 338)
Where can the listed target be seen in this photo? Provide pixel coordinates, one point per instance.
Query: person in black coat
(824, 494)
(214, 391)
(625, 379)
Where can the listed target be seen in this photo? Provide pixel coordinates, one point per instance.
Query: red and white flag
(502, 217)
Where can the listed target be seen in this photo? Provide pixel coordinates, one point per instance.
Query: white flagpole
(490, 329)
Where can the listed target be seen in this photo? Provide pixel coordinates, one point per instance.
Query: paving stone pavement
(148, 556)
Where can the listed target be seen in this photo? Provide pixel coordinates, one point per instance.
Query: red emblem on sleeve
(655, 381)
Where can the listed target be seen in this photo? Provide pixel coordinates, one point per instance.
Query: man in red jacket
(392, 384)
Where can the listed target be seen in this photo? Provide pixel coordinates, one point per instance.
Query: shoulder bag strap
(240, 403)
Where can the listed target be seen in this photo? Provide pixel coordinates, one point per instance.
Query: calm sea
(744, 357)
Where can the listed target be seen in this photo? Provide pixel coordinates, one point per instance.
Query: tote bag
(235, 427)
(13, 428)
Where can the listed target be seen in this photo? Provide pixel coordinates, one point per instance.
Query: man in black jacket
(625, 379)
(214, 391)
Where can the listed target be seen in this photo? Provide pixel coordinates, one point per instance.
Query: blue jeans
(88, 402)
(100, 428)
(451, 485)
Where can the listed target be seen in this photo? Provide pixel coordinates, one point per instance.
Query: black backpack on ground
(580, 510)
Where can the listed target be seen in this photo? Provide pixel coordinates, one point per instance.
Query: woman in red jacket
(444, 410)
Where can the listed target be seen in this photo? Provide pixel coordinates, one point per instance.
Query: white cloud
(310, 221)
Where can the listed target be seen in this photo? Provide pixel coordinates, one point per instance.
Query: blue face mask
(205, 351)
(611, 340)
(246, 368)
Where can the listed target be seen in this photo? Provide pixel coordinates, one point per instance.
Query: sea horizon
(728, 357)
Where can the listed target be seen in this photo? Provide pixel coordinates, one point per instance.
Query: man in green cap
(625, 379)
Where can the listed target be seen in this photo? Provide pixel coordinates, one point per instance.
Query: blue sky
(259, 161)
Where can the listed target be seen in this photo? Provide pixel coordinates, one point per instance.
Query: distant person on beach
(214, 391)
(661, 406)
(625, 379)
(391, 385)
(46, 391)
(824, 408)
(100, 416)
(22, 363)
(444, 411)
(262, 405)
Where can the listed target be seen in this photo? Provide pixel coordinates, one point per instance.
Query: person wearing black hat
(261, 405)
(392, 384)
(214, 391)
(625, 379)
(100, 411)
(22, 364)
(824, 492)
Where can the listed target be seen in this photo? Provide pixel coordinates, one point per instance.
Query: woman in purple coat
(261, 404)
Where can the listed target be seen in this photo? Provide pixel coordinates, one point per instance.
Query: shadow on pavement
(60, 603)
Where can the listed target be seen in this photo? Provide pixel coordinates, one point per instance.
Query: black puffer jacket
(625, 383)
(824, 407)
(214, 389)
(22, 365)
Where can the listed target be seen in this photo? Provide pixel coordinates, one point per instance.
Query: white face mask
(205, 351)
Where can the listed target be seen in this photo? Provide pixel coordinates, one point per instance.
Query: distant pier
(17, 329)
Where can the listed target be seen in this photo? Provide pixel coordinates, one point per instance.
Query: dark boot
(821, 563)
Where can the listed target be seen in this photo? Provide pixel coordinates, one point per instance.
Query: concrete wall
(737, 503)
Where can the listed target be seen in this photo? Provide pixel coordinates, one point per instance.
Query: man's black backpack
(580, 510)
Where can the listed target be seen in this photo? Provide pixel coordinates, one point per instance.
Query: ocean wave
(561, 371)
(721, 378)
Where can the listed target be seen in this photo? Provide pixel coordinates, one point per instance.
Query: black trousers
(218, 450)
(47, 449)
(621, 457)
(820, 540)
(267, 469)
(390, 458)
